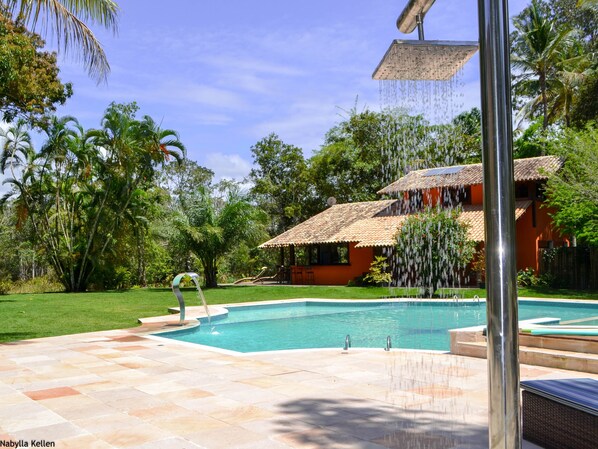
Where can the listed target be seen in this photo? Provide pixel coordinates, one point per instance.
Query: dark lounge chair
(561, 413)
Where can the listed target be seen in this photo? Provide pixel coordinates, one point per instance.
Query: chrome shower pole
(499, 216)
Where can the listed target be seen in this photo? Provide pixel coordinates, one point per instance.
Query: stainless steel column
(499, 215)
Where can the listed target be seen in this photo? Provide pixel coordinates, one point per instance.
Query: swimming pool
(318, 324)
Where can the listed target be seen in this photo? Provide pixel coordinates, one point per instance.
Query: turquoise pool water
(312, 324)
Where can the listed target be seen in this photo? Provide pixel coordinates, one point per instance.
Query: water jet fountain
(176, 289)
(499, 202)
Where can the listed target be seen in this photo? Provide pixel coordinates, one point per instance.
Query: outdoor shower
(421, 59)
(409, 60)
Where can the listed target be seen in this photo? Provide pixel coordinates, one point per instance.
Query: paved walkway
(119, 389)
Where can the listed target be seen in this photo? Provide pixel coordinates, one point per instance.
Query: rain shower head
(424, 60)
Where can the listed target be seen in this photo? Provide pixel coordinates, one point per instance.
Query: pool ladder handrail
(388, 343)
(347, 343)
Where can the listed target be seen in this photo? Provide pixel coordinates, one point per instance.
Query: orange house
(339, 244)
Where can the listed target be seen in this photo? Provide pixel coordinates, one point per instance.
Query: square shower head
(424, 60)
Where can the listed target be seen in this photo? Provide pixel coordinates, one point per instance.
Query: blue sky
(227, 73)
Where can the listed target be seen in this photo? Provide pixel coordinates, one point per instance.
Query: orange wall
(477, 194)
(432, 196)
(359, 263)
(529, 237)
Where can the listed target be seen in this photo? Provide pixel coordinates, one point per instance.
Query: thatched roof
(530, 169)
(326, 226)
(368, 225)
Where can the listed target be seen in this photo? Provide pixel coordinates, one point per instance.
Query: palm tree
(213, 226)
(66, 21)
(16, 143)
(538, 50)
(565, 87)
(82, 187)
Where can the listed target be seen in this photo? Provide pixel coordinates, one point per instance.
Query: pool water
(313, 324)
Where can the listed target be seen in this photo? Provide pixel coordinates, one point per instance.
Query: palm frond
(65, 21)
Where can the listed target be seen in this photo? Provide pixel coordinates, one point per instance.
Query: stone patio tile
(83, 442)
(188, 424)
(107, 423)
(266, 443)
(22, 421)
(273, 426)
(184, 394)
(402, 439)
(102, 385)
(317, 438)
(133, 436)
(13, 398)
(264, 381)
(438, 391)
(46, 382)
(31, 359)
(51, 393)
(53, 432)
(161, 412)
(170, 443)
(161, 387)
(241, 414)
(123, 392)
(227, 438)
(134, 403)
(133, 362)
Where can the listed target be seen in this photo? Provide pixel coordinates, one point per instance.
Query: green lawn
(41, 315)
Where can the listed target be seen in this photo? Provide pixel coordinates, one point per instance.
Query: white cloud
(228, 166)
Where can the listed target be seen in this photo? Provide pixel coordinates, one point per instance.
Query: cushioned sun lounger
(561, 413)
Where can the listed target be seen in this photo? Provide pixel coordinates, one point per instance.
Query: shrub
(378, 274)
(40, 284)
(432, 250)
(527, 278)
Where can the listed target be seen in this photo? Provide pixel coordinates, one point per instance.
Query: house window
(330, 254)
(522, 191)
(453, 196)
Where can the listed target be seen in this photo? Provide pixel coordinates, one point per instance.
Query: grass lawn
(27, 316)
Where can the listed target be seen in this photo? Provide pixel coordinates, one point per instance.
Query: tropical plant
(279, 182)
(368, 150)
(215, 221)
(573, 191)
(379, 272)
(538, 50)
(66, 21)
(432, 250)
(83, 188)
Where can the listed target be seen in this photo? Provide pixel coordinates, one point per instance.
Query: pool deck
(121, 389)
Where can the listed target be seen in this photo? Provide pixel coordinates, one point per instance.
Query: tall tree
(279, 182)
(585, 105)
(215, 221)
(580, 15)
(538, 49)
(66, 21)
(573, 191)
(29, 83)
(82, 186)
(370, 149)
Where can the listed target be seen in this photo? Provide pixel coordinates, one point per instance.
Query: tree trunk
(210, 273)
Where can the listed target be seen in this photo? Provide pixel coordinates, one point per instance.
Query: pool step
(540, 356)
